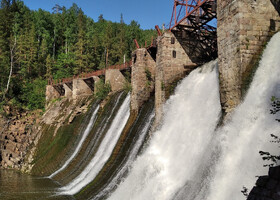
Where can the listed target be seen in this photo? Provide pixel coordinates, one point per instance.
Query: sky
(147, 13)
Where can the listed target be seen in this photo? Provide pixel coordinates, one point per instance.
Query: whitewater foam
(175, 150)
(249, 131)
(104, 151)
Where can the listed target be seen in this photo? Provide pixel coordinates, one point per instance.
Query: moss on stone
(52, 149)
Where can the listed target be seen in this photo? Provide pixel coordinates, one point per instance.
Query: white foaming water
(104, 151)
(85, 134)
(176, 149)
(130, 159)
(249, 131)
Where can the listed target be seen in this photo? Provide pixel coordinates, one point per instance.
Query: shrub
(102, 89)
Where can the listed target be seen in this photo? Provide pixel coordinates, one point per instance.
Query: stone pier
(51, 93)
(142, 78)
(172, 64)
(68, 90)
(244, 27)
(80, 88)
(115, 78)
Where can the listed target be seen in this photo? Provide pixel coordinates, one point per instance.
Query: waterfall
(188, 158)
(104, 151)
(130, 159)
(177, 147)
(84, 136)
(249, 131)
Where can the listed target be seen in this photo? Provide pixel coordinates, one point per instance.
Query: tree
(275, 139)
(80, 48)
(122, 21)
(57, 9)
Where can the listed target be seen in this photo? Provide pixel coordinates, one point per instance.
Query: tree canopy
(38, 45)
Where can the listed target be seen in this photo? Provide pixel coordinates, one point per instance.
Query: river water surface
(16, 186)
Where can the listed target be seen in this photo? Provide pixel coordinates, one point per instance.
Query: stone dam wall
(244, 27)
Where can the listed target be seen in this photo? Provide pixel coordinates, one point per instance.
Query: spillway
(190, 157)
(77, 149)
(177, 147)
(104, 151)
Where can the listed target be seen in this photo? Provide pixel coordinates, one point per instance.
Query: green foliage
(102, 89)
(58, 45)
(149, 77)
(33, 96)
(127, 87)
(148, 74)
(275, 139)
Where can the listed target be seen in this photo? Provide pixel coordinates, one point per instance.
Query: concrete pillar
(172, 64)
(115, 78)
(68, 91)
(142, 78)
(80, 88)
(51, 94)
(244, 27)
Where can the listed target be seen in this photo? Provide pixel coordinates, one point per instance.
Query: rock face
(116, 79)
(142, 78)
(20, 134)
(17, 134)
(244, 27)
(267, 187)
(172, 64)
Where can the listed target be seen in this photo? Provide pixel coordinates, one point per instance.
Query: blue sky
(147, 13)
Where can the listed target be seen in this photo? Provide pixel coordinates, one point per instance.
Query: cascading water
(85, 134)
(130, 159)
(176, 149)
(104, 151)
(249, 131)
(92, 141)
(188, 159)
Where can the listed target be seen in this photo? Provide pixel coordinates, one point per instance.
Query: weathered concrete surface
(172, 64)
(68, 91)
(267, 187)
(142, 78)
(80, 88)
(51, 94)
(244, 27)
(115, 78)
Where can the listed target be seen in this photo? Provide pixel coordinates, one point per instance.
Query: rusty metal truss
(191, 20)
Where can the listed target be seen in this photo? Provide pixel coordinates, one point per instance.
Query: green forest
(38, 45)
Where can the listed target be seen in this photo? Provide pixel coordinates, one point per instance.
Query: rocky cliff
(20, 133)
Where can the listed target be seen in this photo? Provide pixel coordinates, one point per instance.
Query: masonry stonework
(172, 64)
(244, 27)
(142, 78)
